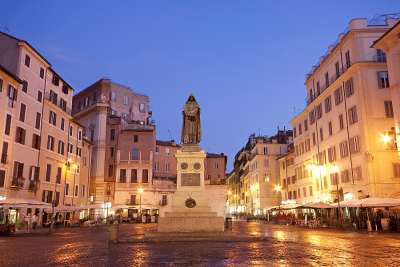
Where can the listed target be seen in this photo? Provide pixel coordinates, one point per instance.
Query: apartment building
(115, 118)
(10, 84)
(215, 168)
(164, 160)
(256, 174)
(287, 176)
(340, 138)
(38, 121)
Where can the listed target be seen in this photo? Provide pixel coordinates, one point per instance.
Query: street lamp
(386, 139)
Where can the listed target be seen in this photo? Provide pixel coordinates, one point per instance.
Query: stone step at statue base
(190, 223)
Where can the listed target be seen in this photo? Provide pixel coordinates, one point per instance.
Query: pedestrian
(34, 221)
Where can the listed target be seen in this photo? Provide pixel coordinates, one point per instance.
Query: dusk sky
(245, 61)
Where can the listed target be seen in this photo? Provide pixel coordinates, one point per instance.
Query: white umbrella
(371, 202)
(23, 203)
(316, 205)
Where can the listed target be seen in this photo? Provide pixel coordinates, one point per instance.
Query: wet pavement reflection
(286, 246)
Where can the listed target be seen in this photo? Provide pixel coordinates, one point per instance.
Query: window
(134, 154)
(70, 130)
(349, 88)
(62, 126)
(332, 154)
(53, 97)
(39, 96)
(76, 190)
(338, 96)
(357, 173)
(348, 61)
(328, 104)
(380, 55)
(145, 176)
(66, 189)
(383, 79)
(337, 69)
(318, 111)
(1, 85)
(122, 175)
(311, 116)
(70, 148)
(311, 190)
(20, 135)
(55, 80)
(2, 177)
(41, 73)
(60, 148)
(78, 151)
(294, 132)
(353, 115)
(83, 190)
(326, 79)
(63, 104)
(12, 93)
(65, 89)
(388, 109)
(133, 200)
(396, 170)
(344, 149)
(110, 170)
(321, 134)
(341, 122)
(318, 89)
(141, 108)
(37, 122)
(113, 96)
(300, 129)
(111, 152)
(125, 100)
(354, 144)
(79, 135)
(330, 130)
(22, 112)
(4, 152)
(53, 118)
(334, 178)
(50, 143)
(27, 61)
(345, 176)
(313, 139)
(58, 177)
(305, 125)
(8, 125)
(48, 172)
(135, 138)
(134, 175)
(112, 134)
(36, 141)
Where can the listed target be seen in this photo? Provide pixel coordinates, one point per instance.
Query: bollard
(113, 230)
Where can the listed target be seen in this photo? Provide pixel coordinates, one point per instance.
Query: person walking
(34, 221)
(28, 221)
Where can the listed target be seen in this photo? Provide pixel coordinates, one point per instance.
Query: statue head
(191, 99)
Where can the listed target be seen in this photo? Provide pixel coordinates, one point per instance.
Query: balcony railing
(33, 185)
(17, 182)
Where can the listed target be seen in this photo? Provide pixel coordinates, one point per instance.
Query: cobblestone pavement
(287, 246)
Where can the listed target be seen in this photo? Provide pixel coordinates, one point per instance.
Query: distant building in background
(215, 168)
(254, 182)
(344, 139)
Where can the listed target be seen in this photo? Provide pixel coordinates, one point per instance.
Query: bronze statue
(191, 128)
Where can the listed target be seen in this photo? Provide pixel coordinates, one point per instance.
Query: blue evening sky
(245, 61)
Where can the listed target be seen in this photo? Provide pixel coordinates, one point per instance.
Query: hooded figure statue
(191, 128)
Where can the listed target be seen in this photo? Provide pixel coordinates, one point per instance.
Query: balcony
(33, 185)
(17, 182)
(163, 203)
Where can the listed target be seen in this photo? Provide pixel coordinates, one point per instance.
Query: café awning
(23, 203)
(316, 205)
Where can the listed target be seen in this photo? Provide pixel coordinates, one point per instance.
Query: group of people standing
(31, 221)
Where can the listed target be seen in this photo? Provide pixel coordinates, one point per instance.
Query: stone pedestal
(190, 208)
